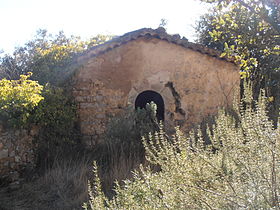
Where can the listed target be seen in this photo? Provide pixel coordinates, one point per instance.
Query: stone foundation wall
(16, 151)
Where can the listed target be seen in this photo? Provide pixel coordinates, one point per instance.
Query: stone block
(87, 130)
(4, 153)
(12, 153)
(17, 132)
(100, 116)
(8, 143)
(99, 98)
(17, 159)
(87, 105)
(81, 98)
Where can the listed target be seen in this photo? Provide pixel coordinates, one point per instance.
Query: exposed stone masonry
(96, 105)
(16, 151)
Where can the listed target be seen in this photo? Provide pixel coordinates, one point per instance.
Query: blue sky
(20, 19)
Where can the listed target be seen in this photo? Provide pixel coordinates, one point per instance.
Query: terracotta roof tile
(158, 33)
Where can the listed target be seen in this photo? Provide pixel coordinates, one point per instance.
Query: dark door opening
(147, 97)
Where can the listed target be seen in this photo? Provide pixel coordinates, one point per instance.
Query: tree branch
(265, 17)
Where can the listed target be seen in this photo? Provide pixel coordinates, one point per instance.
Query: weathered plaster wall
(193, 85)
(16, 151)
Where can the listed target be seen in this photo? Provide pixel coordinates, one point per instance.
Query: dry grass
(64, 184)
(116, 164)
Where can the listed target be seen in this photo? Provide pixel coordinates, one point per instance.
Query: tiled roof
(158, 33)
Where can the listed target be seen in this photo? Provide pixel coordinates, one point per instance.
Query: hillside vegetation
(238, 167)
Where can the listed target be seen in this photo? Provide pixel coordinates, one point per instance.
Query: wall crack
(177, 98)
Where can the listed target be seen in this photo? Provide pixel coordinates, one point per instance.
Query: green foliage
(243, 34)
(130, 126)
(56, 116)
(18, 98)
(49, 58)
(268, 10)
(239, 169)
(123, 151)
(249, 32)
(52, 61)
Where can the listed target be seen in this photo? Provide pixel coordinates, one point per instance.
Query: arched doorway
(148, 96)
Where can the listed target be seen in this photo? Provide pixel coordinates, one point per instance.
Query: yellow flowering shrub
(17, 99)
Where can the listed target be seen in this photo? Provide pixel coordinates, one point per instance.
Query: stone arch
(148, 96)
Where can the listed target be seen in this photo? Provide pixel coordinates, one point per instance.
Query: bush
(57, 114)
(18, 98)
(129, 126)
(123, 150)
(56, 118)
(239, 169)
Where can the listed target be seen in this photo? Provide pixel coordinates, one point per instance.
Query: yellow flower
(271, 99)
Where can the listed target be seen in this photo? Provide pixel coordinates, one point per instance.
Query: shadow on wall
(147, 97)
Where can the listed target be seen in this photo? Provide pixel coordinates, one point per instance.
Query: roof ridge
(159, 33)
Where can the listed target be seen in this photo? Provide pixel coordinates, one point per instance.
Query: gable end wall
(193, 85)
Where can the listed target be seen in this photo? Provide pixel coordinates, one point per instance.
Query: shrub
(18, 98)
(51, 58)
(57, 114)
(129, 126)
(123, 150)
(239, 169)
(56, 117)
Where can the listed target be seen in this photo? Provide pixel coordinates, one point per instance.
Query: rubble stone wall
(16, 151)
